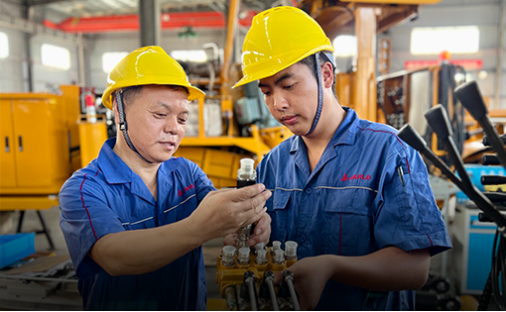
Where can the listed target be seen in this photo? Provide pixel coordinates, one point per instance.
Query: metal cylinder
(249, 280)
(231, 298)
(269, 280)
(288, 277)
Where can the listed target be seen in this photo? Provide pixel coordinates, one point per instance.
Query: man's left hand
(262, 233)
(310, 275)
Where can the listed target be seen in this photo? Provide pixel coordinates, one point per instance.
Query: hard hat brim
(266, 73)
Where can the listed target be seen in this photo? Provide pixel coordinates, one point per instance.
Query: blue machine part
(246, 110)
(481, 238)
(252, 108)
(475, 171)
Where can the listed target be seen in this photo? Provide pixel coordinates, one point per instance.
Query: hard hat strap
(320, 92)
(123, 125)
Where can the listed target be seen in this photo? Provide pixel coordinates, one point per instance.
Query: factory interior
(426, 77)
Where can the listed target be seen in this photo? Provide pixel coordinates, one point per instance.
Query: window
(111, 59)
(4, 45)
(197, 56)
(345, 45)
(434, 40)
(53, 56)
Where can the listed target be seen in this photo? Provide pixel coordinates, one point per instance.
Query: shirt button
(303, 238)
(308, 191)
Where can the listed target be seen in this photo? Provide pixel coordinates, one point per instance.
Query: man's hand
(310, 275)
(262, 233)
(223, 212)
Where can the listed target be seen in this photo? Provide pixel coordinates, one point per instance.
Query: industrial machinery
(246, 278)
(45, 139)
(404, 96)
(356, 88)
(489, 202)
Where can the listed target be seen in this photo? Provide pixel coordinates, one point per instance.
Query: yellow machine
(41, 139)
(37, 132)
(246, 278)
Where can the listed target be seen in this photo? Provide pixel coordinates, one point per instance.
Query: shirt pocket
(348, 224)
(278, 212)
(181, 209)
(143, 223)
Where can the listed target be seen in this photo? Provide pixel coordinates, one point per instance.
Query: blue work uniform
(108, 197)
(353, 203)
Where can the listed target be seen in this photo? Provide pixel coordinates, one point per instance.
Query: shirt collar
(114, 168)
(347, 131)
(344, 135)
(116, 171)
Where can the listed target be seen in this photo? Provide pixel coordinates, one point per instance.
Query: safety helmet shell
(278, 38)
(145, 66)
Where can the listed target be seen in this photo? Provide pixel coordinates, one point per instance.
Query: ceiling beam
(43, 2)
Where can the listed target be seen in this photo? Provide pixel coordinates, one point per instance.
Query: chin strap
(320, 92)
(124, 127)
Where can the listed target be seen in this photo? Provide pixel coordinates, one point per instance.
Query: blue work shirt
(108, 197)
(353, 203)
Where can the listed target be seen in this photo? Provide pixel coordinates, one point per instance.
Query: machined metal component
(269, 280)
(288, 277)
(242, 304)
(231, 297)
(243, 234)
(249, 280)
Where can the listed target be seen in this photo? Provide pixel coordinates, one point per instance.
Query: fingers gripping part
(123, 125)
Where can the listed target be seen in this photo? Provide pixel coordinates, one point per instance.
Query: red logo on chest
(356, 177)
(189, 187)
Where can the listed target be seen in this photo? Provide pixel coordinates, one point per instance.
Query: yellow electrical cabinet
(36, 138)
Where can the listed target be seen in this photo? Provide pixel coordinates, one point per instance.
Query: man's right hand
(223, 212)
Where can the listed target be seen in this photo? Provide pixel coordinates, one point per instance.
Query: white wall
(13, 69)
(43, 75)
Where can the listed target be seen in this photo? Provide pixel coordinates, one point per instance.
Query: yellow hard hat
(278, 38)
(145, 66)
